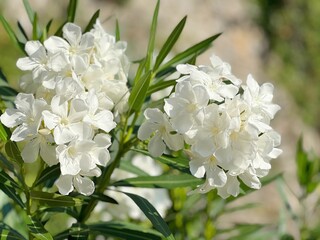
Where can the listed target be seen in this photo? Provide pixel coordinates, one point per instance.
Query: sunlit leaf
(139, 92)
(117, 31)
(78, 231)
(189, 53)
(29, 11)
(152, 36)
(37, 229)
(54, 199)
(163, 181)
(167, 46)
(160, 86)
(3, 133)
(129, 167)
(7, 180)
(11, 33)
(8, 233)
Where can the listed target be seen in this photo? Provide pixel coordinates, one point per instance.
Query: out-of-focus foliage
(292, 29)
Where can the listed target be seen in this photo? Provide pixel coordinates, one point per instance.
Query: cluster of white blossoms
(74, 88)
(223, 125)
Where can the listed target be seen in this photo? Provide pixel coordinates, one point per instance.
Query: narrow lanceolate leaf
(72, 10)
(160, 86)
(179, 163)
(167, 46)
(152, 214)
(13, 152)
(103, 198)
(129, 167)
(78, 231)
(163, 181)
(5, 163)
(124, 230)
(152, 36)
(6, 232)
(23, 32)
(92, 21)
(3, 133)
(189, 53)
(7, 180)
(29, 10)
(35, 27)
(7, 91)
(55, 200)
(2, 76)
(11, 193)
(11, 33)
(68, 210)
(117, 31)
(37, 229)
(49, 173)
(139, 92)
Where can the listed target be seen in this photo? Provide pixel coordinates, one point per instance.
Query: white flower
(184, 105)
(36, 61)
(158, 123)
(101, 119)
(76, 42)
(26, 118)
(66, 124)
(260, 98)
(232, 187)
(41, 143)
(208, 166)
(213, 133)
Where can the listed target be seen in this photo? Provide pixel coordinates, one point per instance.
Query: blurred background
(277, 41)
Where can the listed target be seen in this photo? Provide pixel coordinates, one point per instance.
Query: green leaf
(79, 231)
(35, 27)
(189, 53)
(160, 86)
(13, 152)
(163, 181)
(152, 214)
(129, 167)
(167, 46)
(11, 33)
(180, 163)
(72, 10)
(7, 91)
(29, 10)
(7, 164)
(92, 21)
(48, 173)
(70, 211)
(23, 32)
(139, 92)
(152, 36)
(55, 200)
(117, 31)
(3, 133)
(37, 229)
(302, 164)
(124, 230)
(7, 180)
(8, 233)
(2, 76)
(11, 193)
(103, 198)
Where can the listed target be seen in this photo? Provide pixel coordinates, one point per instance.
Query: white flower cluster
(74, 88)
(224, 124)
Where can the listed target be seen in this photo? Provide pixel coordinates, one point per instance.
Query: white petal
(48, 154)
(30, 151)
(156, 146)
(84, 185)
(26, 64)
(216, 177)
(64, 184)
(197, 168)
(50, 120)
(72, 33)
(63, 135)
(104, 120)
(146, 129)
(12, 117)
(21, 133)
(55, 44)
